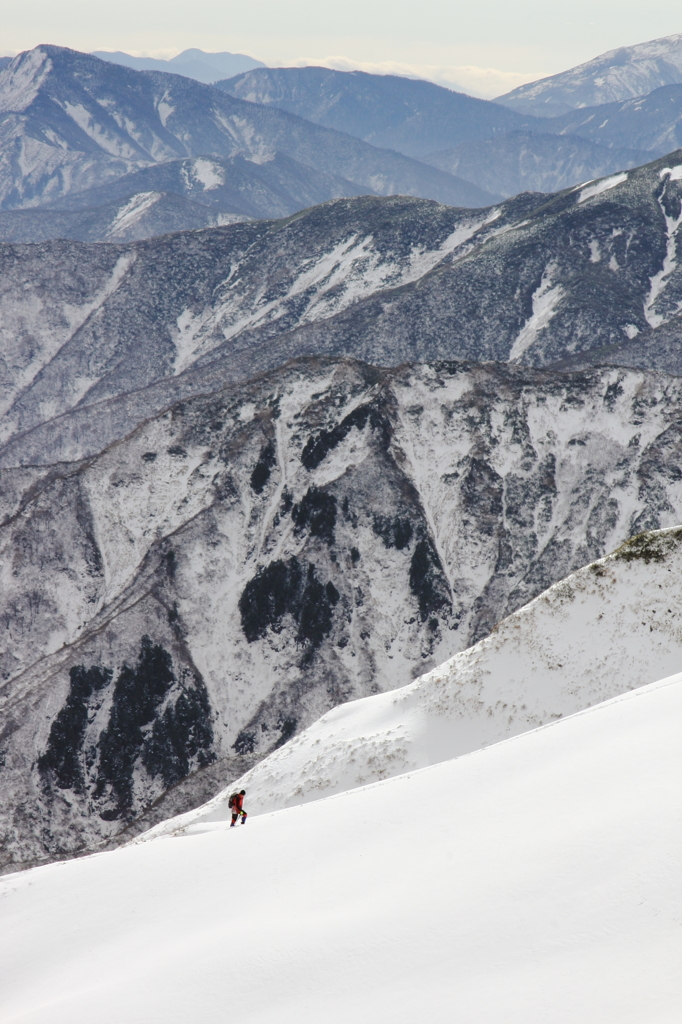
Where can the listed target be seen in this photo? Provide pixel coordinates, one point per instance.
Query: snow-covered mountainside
(593, 266)
(652, 122)
(617, 75)
(69, 121)
(178, 195)
(239, 564)
(180, 315)
(612, 626)
(387, 280)
(275, 187)
(518, 161)
(535, 881)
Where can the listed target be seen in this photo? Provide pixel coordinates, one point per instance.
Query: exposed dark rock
(274, 591)
(183, 735)
(62, 760)
(138, 692)
(288, 728)
(317, 448)
(427, 581)
(395, 532)
(316, 513)
(261, 471)
(285, 588)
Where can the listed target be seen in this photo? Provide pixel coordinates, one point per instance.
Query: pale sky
(513, 41)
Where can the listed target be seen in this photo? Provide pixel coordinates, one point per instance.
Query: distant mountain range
(499, 149)
(652, 123)
(121, 154)
(519, 161)
(138, 216)
(71, 122)
(614, 76)
(409, 115)
(192, 63)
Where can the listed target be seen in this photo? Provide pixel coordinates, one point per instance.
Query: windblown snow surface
(534, 882)
(606, 629)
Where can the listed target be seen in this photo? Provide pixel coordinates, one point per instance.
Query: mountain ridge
(178, 195)
(193, 63)
(422, 119)
(536, 279)
(385, 110)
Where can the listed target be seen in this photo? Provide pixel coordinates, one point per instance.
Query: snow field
(536, 881)
(603, 185)
(606, 629)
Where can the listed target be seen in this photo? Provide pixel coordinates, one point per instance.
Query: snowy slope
(616, 75)
(611, 627)
(534, 882)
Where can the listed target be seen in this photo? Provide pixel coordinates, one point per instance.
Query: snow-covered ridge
(611, 627)
(537, 880)
(620, 74)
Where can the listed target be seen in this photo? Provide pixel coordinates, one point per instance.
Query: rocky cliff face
(242, 562)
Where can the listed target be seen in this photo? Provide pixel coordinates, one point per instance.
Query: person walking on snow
(236, 805)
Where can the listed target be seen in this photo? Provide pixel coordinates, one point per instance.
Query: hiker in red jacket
(236, 804)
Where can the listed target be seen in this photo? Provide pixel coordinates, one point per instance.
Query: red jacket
(238, 803)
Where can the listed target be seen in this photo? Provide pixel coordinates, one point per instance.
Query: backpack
(232, 802)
